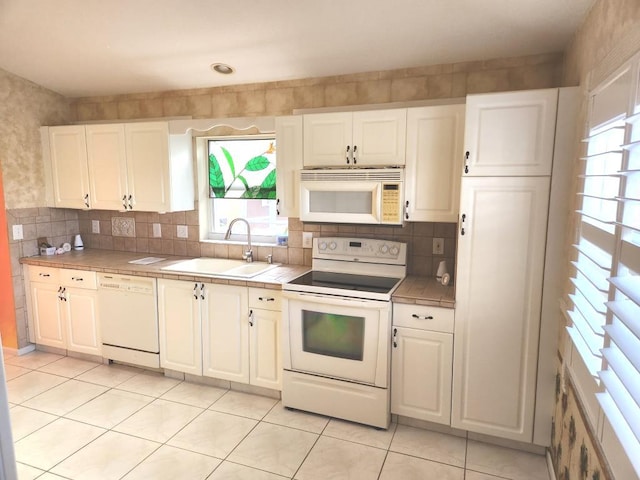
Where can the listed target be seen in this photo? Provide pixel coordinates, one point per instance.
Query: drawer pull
(77, 279)
(422, 317)
(44, 274)
(266, 299)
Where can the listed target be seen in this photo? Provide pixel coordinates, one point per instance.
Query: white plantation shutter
(620, 400)
(604, 311)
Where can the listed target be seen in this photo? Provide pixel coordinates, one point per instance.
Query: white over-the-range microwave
(370, 196)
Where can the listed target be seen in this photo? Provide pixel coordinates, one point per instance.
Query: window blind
(620, 376)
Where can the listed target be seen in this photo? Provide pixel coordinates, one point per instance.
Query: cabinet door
(327, 136)
(47, 315)
(107, 166)
(379, 137)
(179, 313)
(510, 134)
(68, 153)
(421, 364)
(289, 163)
(434, 161)
(264, 347)
(147, 147)
(498, 294)
(81, 319)
(225, 333)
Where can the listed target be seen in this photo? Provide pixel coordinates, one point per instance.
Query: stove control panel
(360, 249)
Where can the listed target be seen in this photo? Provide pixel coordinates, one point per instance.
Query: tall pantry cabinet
(499, 374)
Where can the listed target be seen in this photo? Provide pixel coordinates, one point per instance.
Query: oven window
(333, 335)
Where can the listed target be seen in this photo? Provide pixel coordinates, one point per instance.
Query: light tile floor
(80, 420)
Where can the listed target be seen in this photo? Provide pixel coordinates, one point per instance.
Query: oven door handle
(332, 300)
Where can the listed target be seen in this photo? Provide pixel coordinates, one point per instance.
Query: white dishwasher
(128, 310)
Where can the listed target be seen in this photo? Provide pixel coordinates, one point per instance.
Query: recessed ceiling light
(222, 68)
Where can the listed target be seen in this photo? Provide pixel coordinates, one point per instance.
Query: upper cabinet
(131, 167)
(434, 160)
(360, 139)
(289, 163)
(510, 134)
(66, 147)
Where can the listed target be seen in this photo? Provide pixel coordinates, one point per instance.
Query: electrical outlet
(18, 234)
(182, 231)
(438, 246)
(157, 231)
(307, 239)
(95, 226)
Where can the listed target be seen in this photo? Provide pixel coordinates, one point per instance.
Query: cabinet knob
(406, 210)
(348, 148)
(86, 200)
(355, 160)
(462, 220)
(395, 334)
(251, 318)
(466, 162)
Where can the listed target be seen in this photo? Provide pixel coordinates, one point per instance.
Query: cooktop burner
(346, 281)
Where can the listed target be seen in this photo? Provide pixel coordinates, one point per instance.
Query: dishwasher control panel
(126, 283)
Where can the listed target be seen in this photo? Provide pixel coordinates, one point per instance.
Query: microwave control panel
(391, 203)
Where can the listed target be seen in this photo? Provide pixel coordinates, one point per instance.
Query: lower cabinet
(265, 359)
(421, 362)
(63, 305)
(221, 331)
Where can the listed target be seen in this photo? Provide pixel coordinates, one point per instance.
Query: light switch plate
(95, 226)
(157, 230)
(18, 234)
(438, 246)
(307, 239)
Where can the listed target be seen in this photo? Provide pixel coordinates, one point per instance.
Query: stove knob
(394, 251)
(333, 246)
(322, 246)
(384, 248)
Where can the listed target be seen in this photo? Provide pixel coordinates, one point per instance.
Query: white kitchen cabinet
(510, 134)
(421, 362)
(435, 138)
(107, 161)
(131, 166)
(289, 163)
(347, 139)
(225, 333)
(64, 309)
(66, 148)
(501, 248)
(180, 311)
(265, 360)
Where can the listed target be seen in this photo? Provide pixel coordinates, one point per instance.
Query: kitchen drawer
(436, 319)
(79, 278)
(265, 299)
(44, 274)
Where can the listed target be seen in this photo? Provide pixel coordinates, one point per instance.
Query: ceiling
(104, 47)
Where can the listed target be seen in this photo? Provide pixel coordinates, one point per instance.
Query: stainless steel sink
(220, 267)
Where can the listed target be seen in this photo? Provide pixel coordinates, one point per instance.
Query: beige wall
(609, 35)
(24, 107)
(281, 98)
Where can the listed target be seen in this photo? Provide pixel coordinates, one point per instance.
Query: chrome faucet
(248, 254)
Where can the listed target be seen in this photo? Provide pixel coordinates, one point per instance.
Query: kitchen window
(604, 317)
(242, 183)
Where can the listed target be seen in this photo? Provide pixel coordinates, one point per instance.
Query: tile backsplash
(135, 232)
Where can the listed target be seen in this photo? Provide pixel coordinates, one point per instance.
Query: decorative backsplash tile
(123, 227)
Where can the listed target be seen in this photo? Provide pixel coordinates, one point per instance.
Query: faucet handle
(248, 256)
(270, 258)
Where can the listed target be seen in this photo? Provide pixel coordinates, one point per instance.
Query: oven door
(337, 337)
